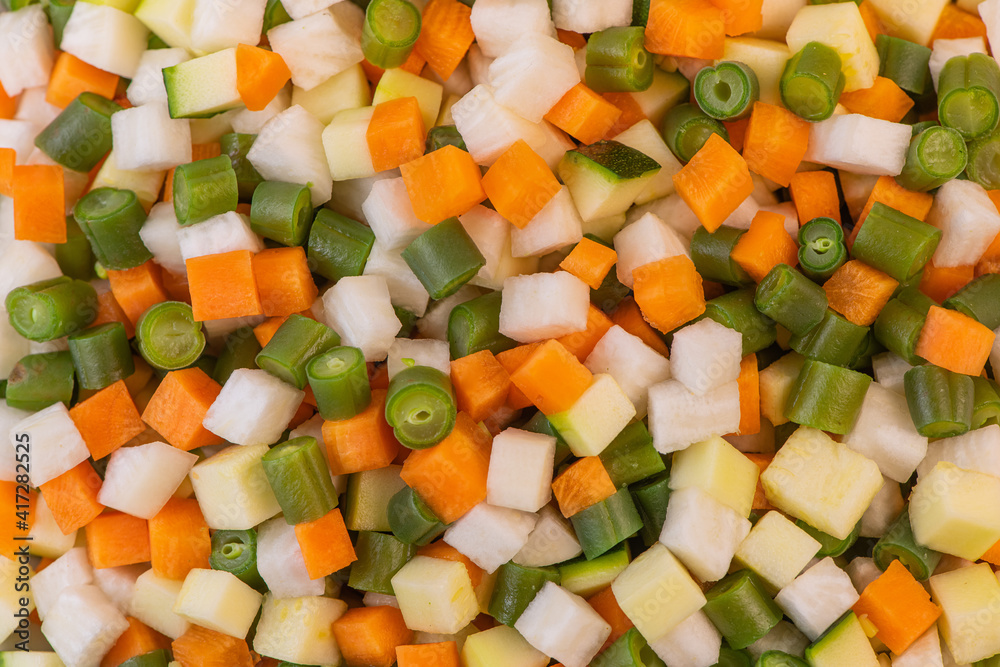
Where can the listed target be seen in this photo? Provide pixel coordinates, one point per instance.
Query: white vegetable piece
(245, 121)
(924, 652)
(563, 626)
(222, 24)
(390, 214)
(634, 365)
(232, 489)
(520, 473)
(347, 90)
(884, 432)
(656, 593)
(586, 17)
(552, 541)
(744, 214)
(298, 629)
(915, 21)
(19, 135)
(105, 37)
(859, 144)
(118, 583)
(153, 602)
(644, 241)
(499, 23)
(373, 599)
(83, 625)
(978, 450)
(693, 643)
(434, 324)
(253, 408)
(489, 535)
(886, 506)
(140, 480)
(56, 445)
(702, 532)
(359, 308)
(280, 561)
(159, 233)
(435, 595)
(23, 263)
(989, 12)
(491, 233)
(889, 371)
(422, 352)
(219, 601)
(9, 417)
(147, 85)
(70, 569)
(645, 138)
(146, 184)
(946, 49)
(705, 356)
(862, 572)
(776, 550)
(533, 74)
(47, 539)
(967, 597)
(13, 346)
(678, 418)
(318, 46)
(967, 224)
(225, 232)
(556, 226)
(952, 510)
(26, 49)
(543, 305)
(842, 29)
(817, 597)
(597, 417)
(479, 66)
(783, 637)
(290, 148)
(299, 9)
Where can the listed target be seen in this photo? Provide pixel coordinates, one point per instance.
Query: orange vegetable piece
(714, 183)
(584, 114)
(628, 316)
(775, 142)
(990, 260)
(884, 100)
(892, 194)
(12, 497)
(137, 289)
(606, 605)
(859, 292)
(955, 341)
(369, 635)
(39, 203)
(116, 538)
(7, 159)
(445, 35)
(363, 442)
(898, 606)
(137, 640)
(955, 23)
(590, 261)
(325, 544)
(570, 38)
(511, 360)
(689, 28)
(632, 113)
(762, 461)
(451, 476)
(765, 245)
(870, 16)
(107, 420)
(396, 133)
(737, 130)
(939, 283)
(583, 484)
(520, 184)
(439, 654)
(71, 76)
(72, 497)
(178, 407)
(223, 286)
(481, 384)
(201, 647)
(178, 539)
(444, 183)
(207, 151)
(814, 194)
(552, 378)
(8, 104)
(749, 384)
(265, 331)
(445, 551)
(582, 343)
(992, 556)
(669, 292)
(108, 310)
(414, 63)
(283, 280)
(741, 16)
(260, 75)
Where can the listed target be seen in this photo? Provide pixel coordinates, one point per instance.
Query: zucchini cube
(845, 644)
(597, 417)
(202, 87)
(606, 178)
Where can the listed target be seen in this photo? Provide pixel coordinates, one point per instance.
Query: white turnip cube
(587, 17)
(543, 305)
(83, 625)
(23, 263)
(118, 583)
(646, 240)
(862, 572)
(552, 541)
(153, 601)
(19, 135)
(140, 480)
(817, 597)
(225, 232)
(859, 144)
(702, 532)
(705, 356)
(280, 561)
(521, 466)
(744, 214)
(318, 46)
(434, 323)
(968, 221)
(634, 365)
(490, 536)
(533, 74)
(924, 652)
(556, 226)
(783, 637)
(9, 418)
(70, 569)
(889, 371)
(491, 233)
(419, 352)
(253, 408)
(147, 85)
(562, 625)
(222, 24)
(359, 308)
(298, 9)
(946, 49)
(489, 128)
(499, 23)
(978, 450)
(884, 432)
(26, 49)
(883, 511)
(405, 289)
(245, 121)
(390, 214)
(679, 418)
(160, 235)
(290, 148)
(55, 443)
(105, 37)
(695, 642)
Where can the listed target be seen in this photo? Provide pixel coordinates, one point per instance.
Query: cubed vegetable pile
(499, 333)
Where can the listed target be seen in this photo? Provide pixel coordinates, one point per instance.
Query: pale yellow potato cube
(765, 57)
(501, 647)
(840, 27)
(718, 469)
(435, 595)
(913, 20)
(776, 550)
(956, 511)
(299, 630)
(776, 385)
(969, 598)
(219, 601)
(397, 83)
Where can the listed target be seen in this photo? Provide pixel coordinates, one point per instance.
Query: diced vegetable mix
(492, 333)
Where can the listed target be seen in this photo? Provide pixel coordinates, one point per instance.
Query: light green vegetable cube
(969, 598)
(821, 482)
(170, 20)
(299, 630)
(127, 6)
(596, 418)
(501, 647)
(656, 592)
(203, 87)
(718, 469)
(777, 550)
(233, 490)
(776, 386)
(435, 595)
(397, 83)
(218, 601)
(844, 644)
(956, 511)
(32, 659)
(840, 27)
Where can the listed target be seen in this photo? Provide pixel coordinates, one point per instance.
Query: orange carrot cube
(583, 484)
(138, 288)
(858, 292)
(116, 538)
(883, 100)
(741, 16)
(326, 547)
(669, 292)
(369, 635)
(179, 405)
(260, 76)
(178, 539)
(107, 420)
(72, 497)
(898, 606)
(396, 133)
(765, 245)
(590, 261)
(814, 194)
(481, 384)
(39, 203)
(582, 343)
(137, 640)
(955, 341)
(71, 76)
(443, 184)
(749, 385)
(511, 360)
(445, 35)
(714, 183)
(363, 442)
(688, 28)
(520, 184)
(775, 142)
(583, 114)
(439, 654)
(283, 281)
(552, 378)
(201, 647)
(223, 286)
(629, 317)
(939, 283)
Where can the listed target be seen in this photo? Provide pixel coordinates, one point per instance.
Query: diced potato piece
(840, 27)
(232, 488)
(153, 600)
(501, 647)
(777, 550)
(954, 511)
(969, 598)
(913, 20)
(299, 630)
(219, 601)
(765, 57)
(718, 469)
(776, 384)
(435, 595)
